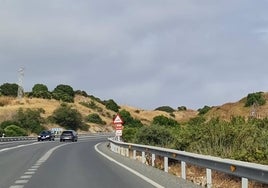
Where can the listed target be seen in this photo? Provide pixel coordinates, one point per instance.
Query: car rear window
(67, 132)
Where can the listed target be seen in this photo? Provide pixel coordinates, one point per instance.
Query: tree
(30, 119)
(165, 109)
(14, 130)
(111, 105)
(67, 117)
(203, 110)
(95, 118)
(129, 120)
(164, 121)
(64, 93)
(8, 89)
(41, 91)
(253, 98)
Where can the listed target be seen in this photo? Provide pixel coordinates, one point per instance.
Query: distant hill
(10, 105)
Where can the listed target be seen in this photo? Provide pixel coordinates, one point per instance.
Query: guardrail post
(153, 159)
(244, 183)
(183, 170)
(143, 159)
(134, 154)
(209, 178)
(166, 164)
(127, 152)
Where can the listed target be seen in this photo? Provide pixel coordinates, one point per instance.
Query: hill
(10, 105)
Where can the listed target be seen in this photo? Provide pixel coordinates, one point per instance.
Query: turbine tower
(20, 82)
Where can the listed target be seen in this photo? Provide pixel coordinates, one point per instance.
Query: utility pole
(20, 82)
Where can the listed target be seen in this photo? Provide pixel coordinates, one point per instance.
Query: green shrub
(164, 121)
(67, 117)
(13, 130)
(154, 135)
(165, 109)
(255, 98)
(95, 118)
(111, 105)
(203, 110)
(64, 93)
(8, 89)
(182, 108)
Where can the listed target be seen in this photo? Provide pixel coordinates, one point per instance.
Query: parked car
(68, 135)
(46, 135)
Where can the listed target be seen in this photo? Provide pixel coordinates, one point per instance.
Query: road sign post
(118, 127)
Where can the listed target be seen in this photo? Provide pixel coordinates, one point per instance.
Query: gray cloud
(139, 53)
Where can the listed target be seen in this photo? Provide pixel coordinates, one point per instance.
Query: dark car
(68, 135)
(46, 135)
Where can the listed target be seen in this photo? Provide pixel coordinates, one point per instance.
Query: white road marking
(21, 181)
(28, 174)
(15, 147)
(26, 177)
(129, 169)
(16, 186)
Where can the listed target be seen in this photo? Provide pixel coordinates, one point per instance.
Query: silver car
(69, 135)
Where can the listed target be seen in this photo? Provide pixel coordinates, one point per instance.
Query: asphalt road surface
(82, 164)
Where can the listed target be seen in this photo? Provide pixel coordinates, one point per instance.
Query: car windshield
(44, 132)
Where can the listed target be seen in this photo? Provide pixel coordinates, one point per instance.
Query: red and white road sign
(118, 127)
(118, 133)
(118, 120)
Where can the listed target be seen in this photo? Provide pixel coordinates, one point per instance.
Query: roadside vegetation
(240, 137)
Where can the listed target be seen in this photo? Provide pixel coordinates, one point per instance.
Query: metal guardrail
(246, 171)
(25, 138)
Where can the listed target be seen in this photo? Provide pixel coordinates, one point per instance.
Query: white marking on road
(27, 175)
(16, 186)
(129, 169)
(21, 181)
(15, 147)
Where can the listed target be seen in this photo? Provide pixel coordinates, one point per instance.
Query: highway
(32, 164)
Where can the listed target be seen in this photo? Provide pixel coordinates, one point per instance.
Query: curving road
(67, 165)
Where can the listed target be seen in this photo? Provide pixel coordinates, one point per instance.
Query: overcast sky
(142, 53)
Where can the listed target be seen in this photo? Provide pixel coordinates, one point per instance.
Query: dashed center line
(19, 183)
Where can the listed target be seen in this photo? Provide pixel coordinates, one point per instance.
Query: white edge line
(129, 169)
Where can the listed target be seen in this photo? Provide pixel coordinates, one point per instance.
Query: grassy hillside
(9, 106)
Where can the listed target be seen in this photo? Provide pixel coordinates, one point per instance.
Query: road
(47, 164)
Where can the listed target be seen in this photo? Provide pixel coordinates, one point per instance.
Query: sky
(141, 53)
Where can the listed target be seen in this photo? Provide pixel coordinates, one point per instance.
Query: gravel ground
(165, 179)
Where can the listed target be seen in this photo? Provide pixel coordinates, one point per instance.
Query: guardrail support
(143, 159)
(166, 164)
(209, 178)
(134, 154)
(153, 159)
(244, 183)
(183, 170)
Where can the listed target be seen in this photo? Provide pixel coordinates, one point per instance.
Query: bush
(13, 130)
(164, 121)
(30, 119)
(182, 108)
(41, 91)
(255, 98)
(111, 105)
(8, 89)
(203, 110)
(129, 121)
(67, 117)
(64, 93)
(165, 109)
(154, 135)
(95, 118)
